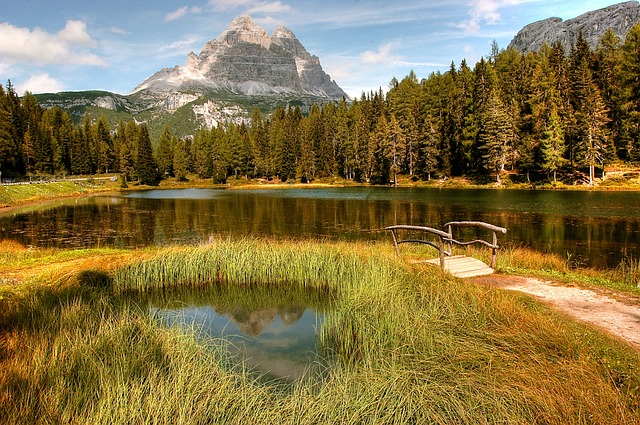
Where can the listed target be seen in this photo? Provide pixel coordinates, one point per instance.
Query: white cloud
(486, 12)
(22, 45)
(250, 6)
(75, 33)
(229, 4)
(177, 14)
(117, 30)
(338, 72)
(269, 7)
(267, 21)
(383, 55)
(181, 45)
(181, 12)
(40, 83)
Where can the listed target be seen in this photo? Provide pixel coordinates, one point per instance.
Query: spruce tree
(396, 148)
(146, 168)
(494, 135)
(260, 144)
(552, 147)
(630, 97)
(104, 146)
(608, 57)
(7, 151)
(164, 152)
(180, 162)
(428, 147)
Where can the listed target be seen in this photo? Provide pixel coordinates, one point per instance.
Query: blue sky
(55, 45)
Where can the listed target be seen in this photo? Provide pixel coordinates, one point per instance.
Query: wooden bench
(444, 242)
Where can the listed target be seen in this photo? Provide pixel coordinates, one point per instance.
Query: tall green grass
(252, 262)
(406, 344)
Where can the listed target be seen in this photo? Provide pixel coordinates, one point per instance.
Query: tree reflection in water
(594, 228)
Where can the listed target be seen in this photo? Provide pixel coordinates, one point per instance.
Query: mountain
(619, 17)
(242, 69)
(244, 59)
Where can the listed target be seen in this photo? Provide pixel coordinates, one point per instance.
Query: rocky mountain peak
(245, 59)
(619, 17)
(282, 32)
(243, 29)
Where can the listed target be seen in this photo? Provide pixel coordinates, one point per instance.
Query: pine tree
(494, 135)
(33, 114)
(18, 126)
(396, 148)
(290, 143)
(104, 146)
(404, 100)
(128, 135)
(381, 164)
(589, 139)
(146, 168)
(324, 152)
(428, 147)
(608, 57)
(180, 163)
(260, 144)
(7, 163)
(552, 148)
(62, 156)
(630, 97)
(276, 140)
(92, 152)
(201, 151)
(306, 166)
(164, 152)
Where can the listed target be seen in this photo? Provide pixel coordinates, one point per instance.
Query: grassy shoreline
(22, 195)
(410, 345)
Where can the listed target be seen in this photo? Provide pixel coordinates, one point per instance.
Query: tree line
(530, 115)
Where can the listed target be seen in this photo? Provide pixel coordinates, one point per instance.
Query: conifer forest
(542, 116)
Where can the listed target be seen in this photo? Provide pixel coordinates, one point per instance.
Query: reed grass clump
(251, 262)
(402, 343)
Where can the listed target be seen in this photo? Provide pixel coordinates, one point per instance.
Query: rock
(245, 59)
(619, 17)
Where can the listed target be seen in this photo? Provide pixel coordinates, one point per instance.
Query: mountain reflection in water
(274, 342)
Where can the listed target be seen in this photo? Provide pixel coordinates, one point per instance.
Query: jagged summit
(619, 17)
(245, 59)
(243, 29)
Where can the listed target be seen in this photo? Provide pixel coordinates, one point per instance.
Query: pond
(272, 333)
(592, 228)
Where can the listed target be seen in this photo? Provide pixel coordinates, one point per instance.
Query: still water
(272, 333)
(592, 228)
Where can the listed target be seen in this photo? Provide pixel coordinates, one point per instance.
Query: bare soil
(619, 315)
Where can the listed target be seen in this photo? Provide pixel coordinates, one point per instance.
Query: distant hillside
(243, 69)
(619, 17)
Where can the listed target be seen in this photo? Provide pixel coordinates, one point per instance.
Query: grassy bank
(23, 194)
(408, 345)
(18, 195)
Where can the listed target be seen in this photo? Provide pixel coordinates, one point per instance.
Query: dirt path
(620, 317)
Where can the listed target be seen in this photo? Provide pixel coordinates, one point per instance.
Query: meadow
(403, 343)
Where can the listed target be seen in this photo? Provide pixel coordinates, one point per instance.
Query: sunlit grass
(515, 260)
(15, 195)
(403, 343)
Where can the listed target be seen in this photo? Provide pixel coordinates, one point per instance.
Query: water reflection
(271, 343)
(270, 331)
(595, 228)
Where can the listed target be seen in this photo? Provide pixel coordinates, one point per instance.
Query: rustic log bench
(444, 242)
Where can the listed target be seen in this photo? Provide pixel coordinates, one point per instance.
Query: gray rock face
(619, 17)
(245, 59)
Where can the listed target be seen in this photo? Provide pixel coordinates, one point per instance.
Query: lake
(592, 228)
